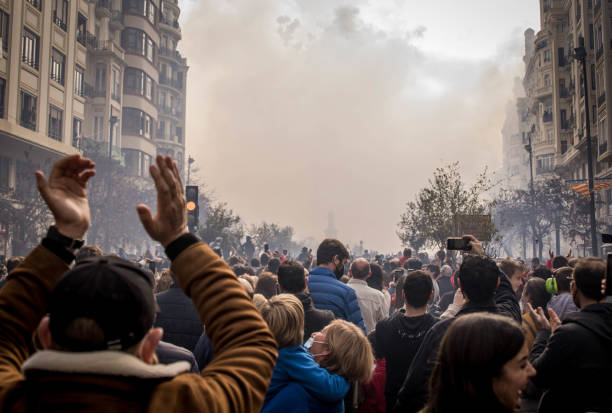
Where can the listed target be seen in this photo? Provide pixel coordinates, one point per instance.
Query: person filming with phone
(573, 360)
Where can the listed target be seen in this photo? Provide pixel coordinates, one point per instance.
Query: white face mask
(308, 345)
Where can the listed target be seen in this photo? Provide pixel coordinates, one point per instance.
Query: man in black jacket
(398, 338)
(485, 288)
(574, 360)
(292, 280)
(179, 318)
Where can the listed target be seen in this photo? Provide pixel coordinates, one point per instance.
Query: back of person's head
(441, 255)
(561, 276)
(535, 291)
(344, 279)
(240, 269)
(509, 267)
(164, 282)
(291, 277)
(102, 303)
(407, 252)
(446, 271)
(87, 251)
(535, 262)
(542, 272)
(559, 261)
(248, 287)
(588, 275)
(13, 263)
(472, 354)
(360, 269)
(479, 276)
(328, 249)
(267, 285)
(376, 280)
(255, 263)
(350, 353)
(273, 265)
(264, 259)
(394, 264)
(284, 315)
(434, 269)
(424, 257)
(413, 264)
(417, 288)
(234, 260)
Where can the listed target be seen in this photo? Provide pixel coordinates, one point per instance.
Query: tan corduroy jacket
(235, 381)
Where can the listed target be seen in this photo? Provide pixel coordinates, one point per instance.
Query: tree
(432, 217)
(277, 237)
(220, 221)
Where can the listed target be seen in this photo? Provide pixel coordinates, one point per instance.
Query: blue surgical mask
(308, 343)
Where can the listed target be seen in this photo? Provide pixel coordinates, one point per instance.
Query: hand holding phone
(458, 244)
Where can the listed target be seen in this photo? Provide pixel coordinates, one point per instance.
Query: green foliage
(220, 221)
(277, 237)
(431, 218)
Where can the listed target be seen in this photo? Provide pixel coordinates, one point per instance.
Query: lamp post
(113, 120)
(529, 148)
(190, 160)
(580, 55)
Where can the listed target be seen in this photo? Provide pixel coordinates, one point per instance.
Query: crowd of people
(259, 330)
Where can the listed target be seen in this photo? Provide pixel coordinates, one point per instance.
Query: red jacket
(374, 391)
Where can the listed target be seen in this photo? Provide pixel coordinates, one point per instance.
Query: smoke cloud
(296, 109)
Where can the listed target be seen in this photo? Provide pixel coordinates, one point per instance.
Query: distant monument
(330, 231)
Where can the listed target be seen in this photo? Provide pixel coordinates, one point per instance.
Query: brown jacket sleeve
(23, 303)
(238, 377)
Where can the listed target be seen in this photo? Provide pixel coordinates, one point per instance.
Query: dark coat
(169, 353)
(179, 318)
(445, 285)
(314, 320)
(413, 394)
(397, 341)
(575, 363)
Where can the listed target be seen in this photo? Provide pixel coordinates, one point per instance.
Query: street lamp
(190, 160)
(113, 121)
(529, 148)
(580, 55)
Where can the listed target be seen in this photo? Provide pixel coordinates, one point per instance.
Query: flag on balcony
(582, 185)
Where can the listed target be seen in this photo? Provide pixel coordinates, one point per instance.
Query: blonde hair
(284, 315)
(163, 283)
(350, 353)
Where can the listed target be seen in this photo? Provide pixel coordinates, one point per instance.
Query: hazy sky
(299, 108)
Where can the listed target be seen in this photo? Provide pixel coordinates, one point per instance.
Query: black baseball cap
(114, 293)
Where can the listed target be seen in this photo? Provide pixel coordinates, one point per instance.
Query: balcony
(87, 39)
(36, 3)
(104, 8)
(547, 117)
(543, 91)
(601, 99)
(116, 96)
(564, 92)
(107, 46)
(92, 92)
(116, 21)
(603, 148)
(174, 54)
(59, 22)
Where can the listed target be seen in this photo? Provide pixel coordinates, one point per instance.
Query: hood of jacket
(596, 318)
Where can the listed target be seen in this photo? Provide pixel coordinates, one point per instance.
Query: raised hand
(475, 244)
(538, 317)
(66, 194)
(170, 221)
(555, 321)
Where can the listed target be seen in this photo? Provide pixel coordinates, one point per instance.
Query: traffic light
(193, 210)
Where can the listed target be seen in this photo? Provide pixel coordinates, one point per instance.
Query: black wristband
(180, 244)
(58, 249)
(67, 242)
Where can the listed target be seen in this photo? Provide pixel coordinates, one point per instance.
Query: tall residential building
(553, 114)
(81, 75)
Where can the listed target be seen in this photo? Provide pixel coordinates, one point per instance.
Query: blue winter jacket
(300, 384)
(330, 294)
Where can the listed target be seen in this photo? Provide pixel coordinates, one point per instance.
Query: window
(136, 162)
(100, 80)
(137, 42)
(139, 83)
(137, 122)
(2, 96)
(58, 64)
(29, 49)
(27, 113)
(4, 30)
(161, 99)
(60, 13)
(116, 84)
(36, 3)
(161, 129)
(4, 173)
(149, 88)
(79, 85)
(55, 123)
(599, 38)
(549, 135)
(77, 131)
(98, 131)
(151, 12)
(179, 134)
(544, 164)
(593, 77)
(81, 29)
(547, 80)
(547, 55)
